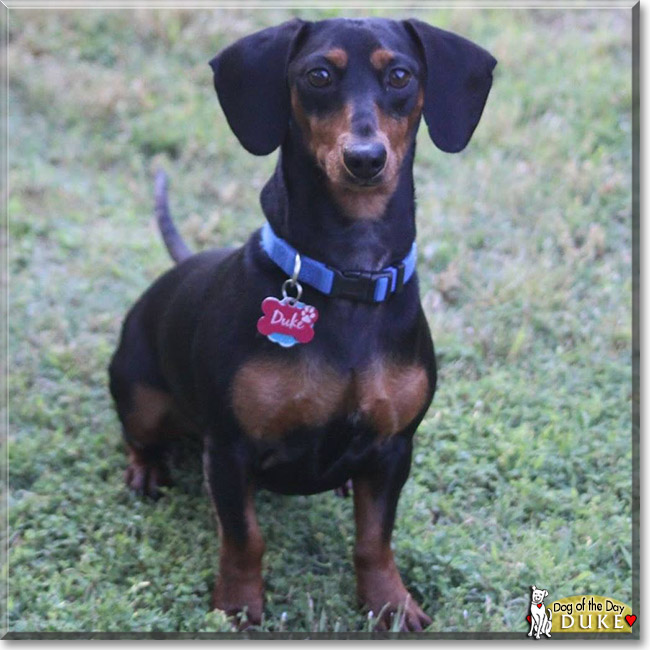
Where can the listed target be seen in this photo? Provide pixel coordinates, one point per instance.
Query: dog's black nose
(365, 160)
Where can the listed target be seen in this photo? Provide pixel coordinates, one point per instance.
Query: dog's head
(353, 92)
(538, 595)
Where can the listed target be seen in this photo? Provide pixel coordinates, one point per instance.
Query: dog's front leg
(379, 585)
(239, 585)
(532, 624)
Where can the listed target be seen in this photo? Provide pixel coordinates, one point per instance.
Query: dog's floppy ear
(532, 587)
(545, 593)
(250, 78)
(457, 83)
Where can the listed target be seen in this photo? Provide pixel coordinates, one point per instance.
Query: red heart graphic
(630, 618)
(539, 605)
(528, 618)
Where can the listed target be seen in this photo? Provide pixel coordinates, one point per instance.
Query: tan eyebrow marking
(337, 57)
(381, 58)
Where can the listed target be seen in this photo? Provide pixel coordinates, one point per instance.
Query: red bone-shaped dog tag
(287, 321)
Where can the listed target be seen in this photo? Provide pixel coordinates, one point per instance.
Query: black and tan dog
(343, 99)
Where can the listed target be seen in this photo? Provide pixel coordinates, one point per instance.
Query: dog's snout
(365, 159)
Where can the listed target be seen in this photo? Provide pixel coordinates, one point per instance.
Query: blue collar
(367, 286)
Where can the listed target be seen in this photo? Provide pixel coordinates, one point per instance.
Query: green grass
(522, 468)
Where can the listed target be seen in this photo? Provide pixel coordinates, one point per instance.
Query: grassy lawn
(522, 467)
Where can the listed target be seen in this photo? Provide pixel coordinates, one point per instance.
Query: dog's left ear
(458, 80)
(250, 78)
(545, 593)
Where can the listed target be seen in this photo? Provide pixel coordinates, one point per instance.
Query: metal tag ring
(291, 283)
(297, 264)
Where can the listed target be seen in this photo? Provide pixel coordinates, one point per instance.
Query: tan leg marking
(378, 580)
(147, 426)
(240, 585)
(150, 407)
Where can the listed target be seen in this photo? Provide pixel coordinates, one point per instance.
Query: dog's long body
(343, 99)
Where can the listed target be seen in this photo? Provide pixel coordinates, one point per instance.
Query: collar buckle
(362, 285)
(399, 278)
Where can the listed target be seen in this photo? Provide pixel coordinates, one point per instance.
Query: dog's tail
(550, 613)
(173, 241)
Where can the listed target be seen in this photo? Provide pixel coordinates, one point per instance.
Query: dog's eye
(398, 77)
(319, 77)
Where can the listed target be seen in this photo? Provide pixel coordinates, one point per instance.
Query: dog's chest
(273, 398)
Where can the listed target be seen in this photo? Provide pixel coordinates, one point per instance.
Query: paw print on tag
(308, 314)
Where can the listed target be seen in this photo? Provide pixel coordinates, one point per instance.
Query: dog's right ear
(457, 83)
(250, 78)
(533, 587)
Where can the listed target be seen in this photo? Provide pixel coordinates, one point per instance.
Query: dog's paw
(386, 607)
(146, 479)
(242, 601)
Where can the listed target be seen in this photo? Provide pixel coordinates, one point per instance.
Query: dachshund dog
(303, 359)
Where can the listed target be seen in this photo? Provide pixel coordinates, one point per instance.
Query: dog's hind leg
(145, 409)
(147, 432)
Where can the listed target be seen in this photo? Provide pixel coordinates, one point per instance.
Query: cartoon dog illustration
(539, 623)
